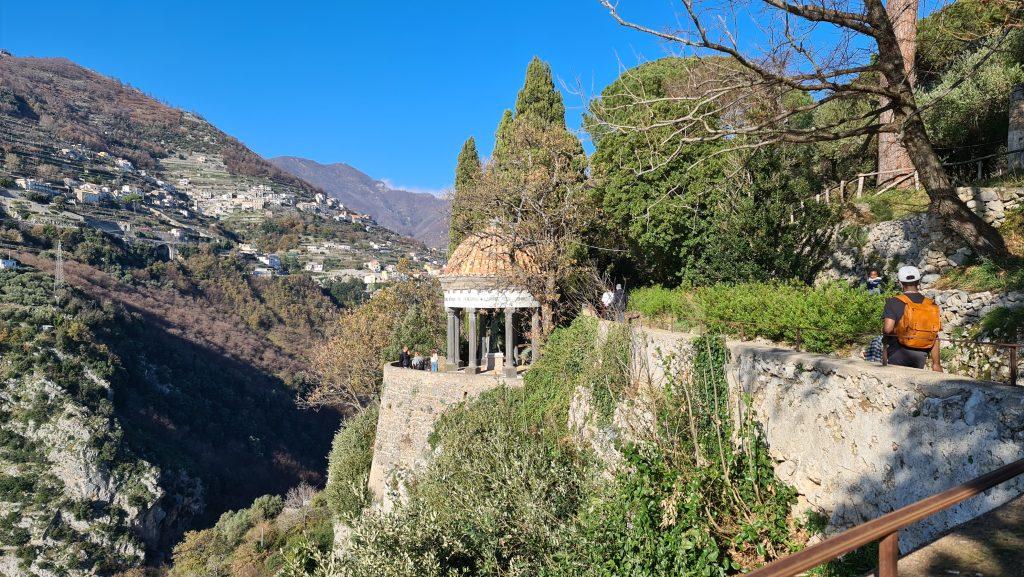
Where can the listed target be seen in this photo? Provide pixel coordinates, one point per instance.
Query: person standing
(418, 361)
(434, 360)
(911, 323)
(607, 298)
(874, 283)
(619, 303)
(404, 360)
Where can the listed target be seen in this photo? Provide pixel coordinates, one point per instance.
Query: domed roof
(487, 254)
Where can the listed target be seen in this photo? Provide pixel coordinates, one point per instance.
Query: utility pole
(58, 273)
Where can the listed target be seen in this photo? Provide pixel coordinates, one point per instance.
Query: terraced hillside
(48, 104)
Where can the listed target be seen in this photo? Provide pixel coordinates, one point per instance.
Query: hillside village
(190, 200)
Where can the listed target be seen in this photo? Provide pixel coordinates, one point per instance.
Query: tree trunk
(893, 158)
(946, 206)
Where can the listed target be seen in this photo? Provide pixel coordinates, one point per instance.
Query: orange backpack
(920, 324)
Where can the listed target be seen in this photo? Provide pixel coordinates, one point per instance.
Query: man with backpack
(911, 323)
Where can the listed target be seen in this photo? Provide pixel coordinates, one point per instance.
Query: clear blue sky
(392, 88)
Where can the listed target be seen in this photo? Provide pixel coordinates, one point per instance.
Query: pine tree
(468, 171)
(539, 98)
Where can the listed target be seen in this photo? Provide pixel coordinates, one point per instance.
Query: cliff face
(118, 434)
(74, 498)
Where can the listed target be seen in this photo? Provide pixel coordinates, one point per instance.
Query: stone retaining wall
(858, 440)
(411, 401)
(917, 239)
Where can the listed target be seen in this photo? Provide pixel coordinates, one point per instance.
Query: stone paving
(989, 546)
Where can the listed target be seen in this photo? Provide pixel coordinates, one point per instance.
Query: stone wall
(858, 440)
(917, 239)
(411, 401)
(962, 309)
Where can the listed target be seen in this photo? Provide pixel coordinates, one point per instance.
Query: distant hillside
(419, 215)
(50, 103)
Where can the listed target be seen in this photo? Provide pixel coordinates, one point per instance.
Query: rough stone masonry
(411, 402)
(858, 440)
(855, 439)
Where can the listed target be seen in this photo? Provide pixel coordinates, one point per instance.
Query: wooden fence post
(860, 185)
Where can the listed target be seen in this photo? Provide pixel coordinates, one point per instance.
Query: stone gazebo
(479, 278)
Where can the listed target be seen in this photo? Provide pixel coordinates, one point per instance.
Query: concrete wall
(858, 440)
(411, 401)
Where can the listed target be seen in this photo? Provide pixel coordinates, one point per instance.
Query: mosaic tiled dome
(486, 254)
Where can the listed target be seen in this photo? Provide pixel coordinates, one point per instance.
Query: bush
(497, 499)
(575, 356)
(830, 316)
(349, 464)
(501, 497)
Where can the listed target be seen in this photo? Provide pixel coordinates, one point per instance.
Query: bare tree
(836, 50)
(537, 206)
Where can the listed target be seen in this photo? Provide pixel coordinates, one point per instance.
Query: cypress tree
(468, 171)
(502, 137)
(539, 98)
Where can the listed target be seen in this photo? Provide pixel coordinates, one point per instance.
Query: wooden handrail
(886, 529)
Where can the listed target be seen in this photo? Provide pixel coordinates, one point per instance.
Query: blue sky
(392, 88)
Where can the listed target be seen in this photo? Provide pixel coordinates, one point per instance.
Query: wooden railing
(885, 529)
(842, 192)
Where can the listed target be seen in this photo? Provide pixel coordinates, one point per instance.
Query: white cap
(908, 274)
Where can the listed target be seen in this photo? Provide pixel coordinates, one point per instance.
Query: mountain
(419, 215)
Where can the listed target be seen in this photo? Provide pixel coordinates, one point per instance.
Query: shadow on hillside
(188, 408)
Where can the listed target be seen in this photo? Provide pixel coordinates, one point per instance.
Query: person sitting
(873, 352)
(417, 361)
(911, 323)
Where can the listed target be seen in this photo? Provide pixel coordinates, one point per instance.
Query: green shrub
(349, 464)
(497, 499)
(502, 497)
(575, 356)
(689, 501)
(986, 275)
(830, 316)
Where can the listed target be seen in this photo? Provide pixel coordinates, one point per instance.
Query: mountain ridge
(420, 215)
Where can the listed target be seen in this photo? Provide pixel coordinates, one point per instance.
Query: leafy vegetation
(505, 496)
(830, 316)
(349, 363)
(349, 465)
(693, 213)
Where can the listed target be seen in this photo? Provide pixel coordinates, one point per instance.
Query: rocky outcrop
(89, 497)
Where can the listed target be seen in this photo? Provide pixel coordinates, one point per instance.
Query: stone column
(453, 339)
(534, 335)
(471, 364)
(510, 334)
